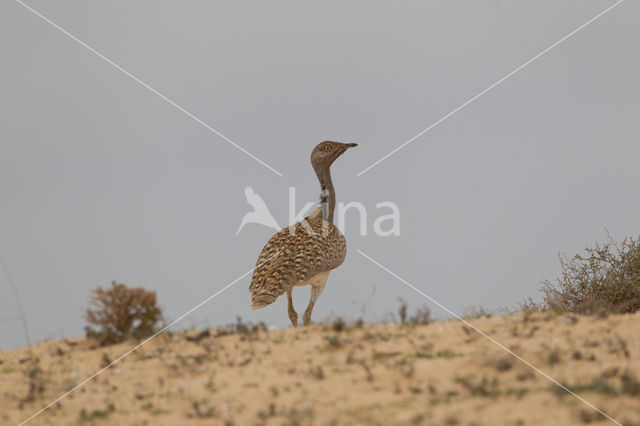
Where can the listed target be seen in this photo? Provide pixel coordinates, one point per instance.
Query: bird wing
(255, 200)
(293, 256)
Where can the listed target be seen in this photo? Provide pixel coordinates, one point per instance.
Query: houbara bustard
(303, 253)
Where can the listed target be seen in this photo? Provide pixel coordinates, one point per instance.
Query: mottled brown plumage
(304, 253)
(294, 255)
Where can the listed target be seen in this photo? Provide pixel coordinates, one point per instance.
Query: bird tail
(261, 300)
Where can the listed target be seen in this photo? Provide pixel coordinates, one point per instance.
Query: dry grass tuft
(36, 380)
(422, 314)
(86, 416)
(629, 384)
(504, 363)
(338, 325)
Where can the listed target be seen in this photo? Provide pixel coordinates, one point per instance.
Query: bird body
(303, 253)
(294, 256)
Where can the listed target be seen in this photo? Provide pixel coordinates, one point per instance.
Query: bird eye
(327, 148)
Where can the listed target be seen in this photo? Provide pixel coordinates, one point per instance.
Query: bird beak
(350, 145)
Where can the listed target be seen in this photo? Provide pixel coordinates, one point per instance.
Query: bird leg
(315, 293)
(307, 313)
(293, 315)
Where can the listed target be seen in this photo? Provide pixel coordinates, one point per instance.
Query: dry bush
(402, 310)
(338, 324)
(247, 330)
(476, 312)
(422, 314)
(528, 306)
(605, 280)
(120, 313)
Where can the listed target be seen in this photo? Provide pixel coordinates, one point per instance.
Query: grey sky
(102, 180)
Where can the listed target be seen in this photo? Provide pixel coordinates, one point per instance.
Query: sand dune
(442, 373)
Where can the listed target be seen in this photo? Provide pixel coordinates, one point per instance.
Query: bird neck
(327, 194)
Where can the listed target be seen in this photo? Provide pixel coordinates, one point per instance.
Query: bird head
(325, 153)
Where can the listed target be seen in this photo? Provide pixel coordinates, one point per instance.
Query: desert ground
(440, 373)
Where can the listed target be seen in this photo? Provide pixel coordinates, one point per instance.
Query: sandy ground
(442, 373)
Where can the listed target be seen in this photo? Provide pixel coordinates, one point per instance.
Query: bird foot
(293, 317)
